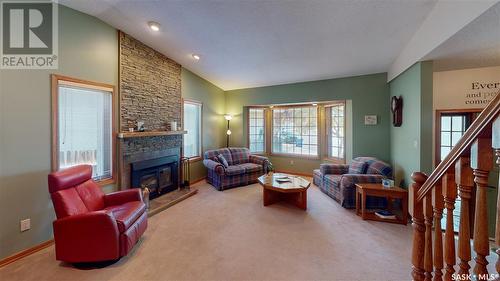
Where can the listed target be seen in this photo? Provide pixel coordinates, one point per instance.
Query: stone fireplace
(150, 92)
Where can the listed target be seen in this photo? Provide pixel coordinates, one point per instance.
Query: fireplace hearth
(159, 175)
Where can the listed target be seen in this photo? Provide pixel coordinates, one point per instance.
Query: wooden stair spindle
(438, 204)
(481, 163)
(417, 213)
(465, 181)
(423, 185)
(450, 195)
(496, 145)
(497, 226)
(428, 215)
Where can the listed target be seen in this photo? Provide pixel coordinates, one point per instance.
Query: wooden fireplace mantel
(127, 135)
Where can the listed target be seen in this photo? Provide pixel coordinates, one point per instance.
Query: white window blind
(192, 124)
(85, 129)
(256, 129)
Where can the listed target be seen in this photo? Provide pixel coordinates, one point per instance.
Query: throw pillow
(222, 160)
(357, 167)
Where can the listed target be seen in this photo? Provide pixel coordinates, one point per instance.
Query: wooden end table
(377, 190)
(294, 192)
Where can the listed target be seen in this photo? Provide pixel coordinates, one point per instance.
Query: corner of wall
(426, 116)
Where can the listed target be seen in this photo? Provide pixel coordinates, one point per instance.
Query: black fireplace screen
(159, 175)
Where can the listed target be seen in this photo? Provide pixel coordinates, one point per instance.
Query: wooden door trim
(437, 128)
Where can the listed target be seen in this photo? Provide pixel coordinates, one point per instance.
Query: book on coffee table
(283, 179)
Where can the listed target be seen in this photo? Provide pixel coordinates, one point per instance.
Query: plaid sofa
(244, 168)
(337, 182)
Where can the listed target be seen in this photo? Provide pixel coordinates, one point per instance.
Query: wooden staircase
(464, 173)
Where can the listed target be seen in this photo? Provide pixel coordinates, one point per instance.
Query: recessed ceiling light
(154, 25)
(196, 57)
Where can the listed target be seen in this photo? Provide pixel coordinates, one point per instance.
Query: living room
(251, 138)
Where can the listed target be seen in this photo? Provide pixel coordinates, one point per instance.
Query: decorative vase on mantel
(173, 126)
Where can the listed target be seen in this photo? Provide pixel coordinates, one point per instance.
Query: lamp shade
(228, 117)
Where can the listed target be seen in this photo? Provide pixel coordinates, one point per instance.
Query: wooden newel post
(481, 162)
(465, 182)
(417, 213)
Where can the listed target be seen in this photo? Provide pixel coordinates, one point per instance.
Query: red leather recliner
(92, 226)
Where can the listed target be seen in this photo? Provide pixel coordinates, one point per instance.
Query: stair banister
(463, 173)
(487, 116)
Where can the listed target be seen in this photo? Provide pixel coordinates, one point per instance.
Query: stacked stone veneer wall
(150, 86)
(150, 91)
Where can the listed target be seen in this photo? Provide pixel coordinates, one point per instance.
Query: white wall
(465, 89)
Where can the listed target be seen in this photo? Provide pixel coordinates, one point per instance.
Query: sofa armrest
(257, 159)
(335, 169)
(351, 179)
(122, 197)
(215, 166)
(87, 237)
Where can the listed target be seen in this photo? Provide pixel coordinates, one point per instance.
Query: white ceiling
(476, 45)
(267, 42)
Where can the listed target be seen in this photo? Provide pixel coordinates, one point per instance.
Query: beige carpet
(230, 236)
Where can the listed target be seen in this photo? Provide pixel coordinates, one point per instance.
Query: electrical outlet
(291, 162)
(25, 224)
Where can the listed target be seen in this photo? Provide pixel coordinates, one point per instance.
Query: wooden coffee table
(377, 190)
(294, 192)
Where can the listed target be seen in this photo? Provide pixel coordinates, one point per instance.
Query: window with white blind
(295, 130)
(256, 130)
(192, 124)
(83, 126)
(335, 114)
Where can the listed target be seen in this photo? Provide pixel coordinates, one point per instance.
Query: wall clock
(397, 111)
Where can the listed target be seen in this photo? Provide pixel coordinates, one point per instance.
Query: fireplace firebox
(159, 175)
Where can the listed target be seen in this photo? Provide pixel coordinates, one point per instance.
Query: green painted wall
(411, 144)
(369, 95)
(213, 128)
(88, 49)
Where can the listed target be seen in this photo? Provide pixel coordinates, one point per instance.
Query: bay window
(335, 117)
(256, 130)
(310, 130)
(295, 130)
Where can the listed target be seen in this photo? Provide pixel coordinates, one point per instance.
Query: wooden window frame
(437, 130)
(200, 145)
(265, 112)
(318, 133)
(56, 81)
(328, 123)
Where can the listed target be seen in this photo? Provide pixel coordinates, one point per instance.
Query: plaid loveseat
(338, 180)
(244, 168)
